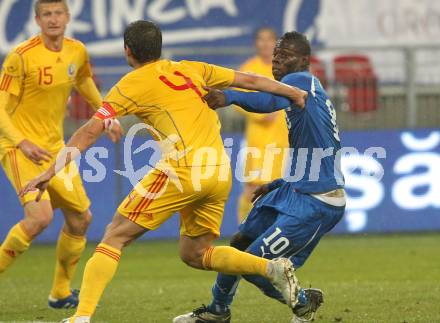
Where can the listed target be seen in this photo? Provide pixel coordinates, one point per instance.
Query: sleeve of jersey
(116, 103)
(87, 88)
(85, 69)
(11, 76)
(217, 76)
(7, 129)
(258, 102)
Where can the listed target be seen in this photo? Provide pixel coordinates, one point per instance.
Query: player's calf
(17, 241)
(193, 249)
(37, 217)
(280, 273)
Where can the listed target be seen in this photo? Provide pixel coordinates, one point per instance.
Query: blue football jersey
(313, 139)
(313, 133)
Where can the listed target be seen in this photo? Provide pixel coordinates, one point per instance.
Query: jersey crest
(71, 70)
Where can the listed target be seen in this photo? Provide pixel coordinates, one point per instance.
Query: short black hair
(144, 38)
(299, 41)
(40, 2)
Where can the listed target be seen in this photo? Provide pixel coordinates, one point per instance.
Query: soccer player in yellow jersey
(35, 83)
(265, 132)
(193, 176)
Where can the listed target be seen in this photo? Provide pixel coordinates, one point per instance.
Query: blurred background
(378, 60)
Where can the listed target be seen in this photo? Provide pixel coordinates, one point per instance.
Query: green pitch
(365, 279)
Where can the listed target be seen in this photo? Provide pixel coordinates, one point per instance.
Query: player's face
(53, 19)
(286, 60)
(265, 43)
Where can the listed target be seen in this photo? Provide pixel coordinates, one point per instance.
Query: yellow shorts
(200, 202)
(21, 170)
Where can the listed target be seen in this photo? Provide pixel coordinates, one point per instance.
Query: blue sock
(223, 293)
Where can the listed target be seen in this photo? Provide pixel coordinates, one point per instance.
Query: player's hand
(298, 97)
(39, 183)
(215, 98)
(113, 129)
(259, 192)
(36, 154)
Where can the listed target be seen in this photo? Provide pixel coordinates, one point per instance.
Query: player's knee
(240, 241)
(120, 234)
(38, 224)
(116, 238)
(84, 222)
(192, 258)
(78, 223)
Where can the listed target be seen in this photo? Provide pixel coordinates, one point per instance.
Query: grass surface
(365, 279)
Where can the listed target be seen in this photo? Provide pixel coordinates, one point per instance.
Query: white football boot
(282, 276)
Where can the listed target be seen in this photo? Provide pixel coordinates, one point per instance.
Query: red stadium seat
(317, 68)
(356, 74)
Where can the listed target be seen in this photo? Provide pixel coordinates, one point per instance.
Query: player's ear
(37, 20)
(127, 51)
(66, 8)
(305, 61)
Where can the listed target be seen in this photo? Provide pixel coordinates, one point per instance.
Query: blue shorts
(292, 233)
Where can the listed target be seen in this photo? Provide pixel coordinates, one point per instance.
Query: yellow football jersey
(260, 132)
(168, 97)
(40, 82)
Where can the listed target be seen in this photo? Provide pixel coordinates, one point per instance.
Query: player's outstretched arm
(82, 139)
(257, 102)
(261, 83)
(88, 90)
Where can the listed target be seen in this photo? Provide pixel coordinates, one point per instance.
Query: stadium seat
(356, 74)
(317, 68)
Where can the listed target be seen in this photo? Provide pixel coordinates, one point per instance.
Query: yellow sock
(69, 250)
(99, 271)
(229, 260)
(17, 241)
(244, 207)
